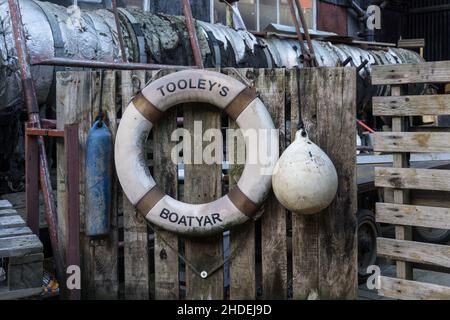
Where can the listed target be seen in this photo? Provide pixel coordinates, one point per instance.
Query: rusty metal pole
(119, 30)
(312, 55)
(192, 34)
(303, 49)
(34, 120)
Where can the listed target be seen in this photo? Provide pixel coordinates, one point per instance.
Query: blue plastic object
(98, 179)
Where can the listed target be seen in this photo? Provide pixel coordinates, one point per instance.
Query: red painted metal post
(32, 182)
(71, 147)
(192, 34)
(30, 98)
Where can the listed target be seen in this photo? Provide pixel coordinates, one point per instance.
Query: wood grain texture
(12, 232)
(202, 183)
(242, 238)
(409, 215)
(271, 87)
(20, 245)
(418, 252)
(409, 178)
(404, 270)
(78, 100)
(328, 245)
(438, 72)
(412, 290)
(136, 250)
(165, 173)
(412, 142)
(411, 105)
(12, 222)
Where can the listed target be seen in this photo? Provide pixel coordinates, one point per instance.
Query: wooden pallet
(401, 178)
(21, 256)
(263, 266)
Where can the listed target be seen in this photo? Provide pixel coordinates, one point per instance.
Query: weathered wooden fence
(401, 178)
(279, 256)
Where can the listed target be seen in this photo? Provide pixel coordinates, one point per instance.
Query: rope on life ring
(241, 104)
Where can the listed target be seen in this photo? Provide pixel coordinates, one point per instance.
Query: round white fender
(242, 104)
(305, 180)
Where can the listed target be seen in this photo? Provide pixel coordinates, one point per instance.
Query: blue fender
(99, 159)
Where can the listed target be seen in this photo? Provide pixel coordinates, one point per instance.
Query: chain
(203, 274)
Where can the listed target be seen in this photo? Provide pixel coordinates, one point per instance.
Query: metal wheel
(431, 235)
(368, 231)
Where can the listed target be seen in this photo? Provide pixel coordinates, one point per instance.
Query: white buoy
(304, 180)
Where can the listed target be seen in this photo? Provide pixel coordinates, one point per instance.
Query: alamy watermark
(373, 17)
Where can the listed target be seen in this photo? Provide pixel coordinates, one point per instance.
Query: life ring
(146, 108)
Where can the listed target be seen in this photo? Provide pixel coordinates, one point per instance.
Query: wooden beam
(202, 183)
(411, 251)
(167, 284)
(411, 105)
(404, 270)
(324, 245)
(271, 86)
(20, 245)
(395, 74)
(136, 251)
(409, 215)
(409, 178)
(412, 290)
(412, 142)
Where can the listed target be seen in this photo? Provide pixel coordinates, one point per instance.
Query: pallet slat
(12, 232)
(411, 105)
(438, 72)
(411, 251)
(409, 215)
(11, 222)
(8, 212)
(20, 245)
(136, 257)
(324, 245)
(408, 178)
(412, 290)
(412, 142)
(5, 204)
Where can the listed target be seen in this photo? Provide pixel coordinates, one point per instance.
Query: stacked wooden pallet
(401, 178)
(21, 256)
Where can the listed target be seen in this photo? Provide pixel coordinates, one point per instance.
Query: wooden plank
(20, 245)
(136, 259)
(324, 251)
(412, 290)
(19, 294)
(8, 212)
(271, 87)
(409, 215)
(242, 238)
(411, 142)
(411, 251)
(78, 102)
(5, 204)
(305, 245)
(202, 184)
(409, 178)
(105, 252)
(11, 222)
(165, 173)
(438, 72)
(428, 105)
(12, 232)
(403, 269)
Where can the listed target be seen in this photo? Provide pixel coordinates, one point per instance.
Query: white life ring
(242, 104)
